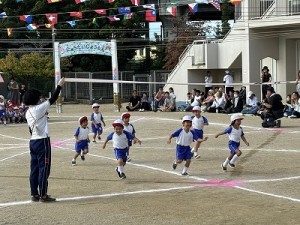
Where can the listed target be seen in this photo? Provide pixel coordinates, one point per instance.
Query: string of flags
(126, 12)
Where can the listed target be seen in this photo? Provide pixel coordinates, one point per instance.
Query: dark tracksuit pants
(40, 152)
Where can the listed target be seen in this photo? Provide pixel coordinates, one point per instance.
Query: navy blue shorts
(97, 130)
(2, 113)
(121, 153)
(199, 133)
(82, 145)
(233, 146)
(183, 152)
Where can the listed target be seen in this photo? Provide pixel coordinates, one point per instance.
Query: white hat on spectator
(250, 93)
(2, 97)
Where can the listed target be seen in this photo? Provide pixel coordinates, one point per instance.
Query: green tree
(227, 10)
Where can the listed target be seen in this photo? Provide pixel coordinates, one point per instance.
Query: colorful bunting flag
(150, 15)
(149, 6)
(9, 33)
(136, 2)
(124, 10)
(52, 18)
(113, 18)
(53, 1)
(26, 18)
(128, 16)
(193, 7)
(72, 23)
(80, 1)
(49, 25)
(216, 4)
(76, 14)
(32, 26)
(100, 11)
(3, 15)
(172, 10)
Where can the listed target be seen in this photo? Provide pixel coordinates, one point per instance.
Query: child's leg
(227, 160)
(94, 137)
(120, 164)
(186, 166)
(128, 157)
(195, 149)
(85, 151)
(235, 157)
(74, 158)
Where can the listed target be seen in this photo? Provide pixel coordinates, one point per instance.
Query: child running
(129, 128)
(198, 123)
(184, 137)
(235, 133)
(120, 139)
(82, 139)
(96, 119)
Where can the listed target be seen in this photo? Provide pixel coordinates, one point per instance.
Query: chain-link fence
(93, 91)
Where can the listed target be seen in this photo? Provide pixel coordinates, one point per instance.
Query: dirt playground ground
(262, 189)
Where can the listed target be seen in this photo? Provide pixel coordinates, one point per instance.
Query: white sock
(175, 161)
(192, 150)
(234, 158)
(225, 163)
(120, 169)
(73, 159)
(81, 153)
(184, 169)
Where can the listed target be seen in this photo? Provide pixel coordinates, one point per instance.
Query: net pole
(115, 75)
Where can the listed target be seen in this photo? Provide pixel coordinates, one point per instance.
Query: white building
(266, 32)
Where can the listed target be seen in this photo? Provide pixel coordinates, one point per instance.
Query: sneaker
(73, 162)
(99, 138)
(94, 141)
(122, 176)
(174, 166)
(293, 116)
(47, 198)
(140, 110)
(119, 174)
(35, 198)
(223, 167)
(231, 165)
(184, 174)
(128, 159)
(197, 156)
(82, 157)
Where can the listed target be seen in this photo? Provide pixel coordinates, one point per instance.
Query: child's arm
(244, 140)
(76, 138)
(136, 140)
(170, 139)
(104, 145)
(102, 120)
(219, 134)
(201, 140)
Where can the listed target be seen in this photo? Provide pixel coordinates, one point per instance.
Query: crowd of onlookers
(12, 110)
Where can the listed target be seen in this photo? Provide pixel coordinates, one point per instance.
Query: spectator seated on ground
(293, 110)
(218, 104)
(168, 105)
(208, 101)
(273, 109)
(235, 103)
(252, 105)
(196, 102)
(188, 102)
(134, 102)
(158, 99)
(287, 110)
(145, 103)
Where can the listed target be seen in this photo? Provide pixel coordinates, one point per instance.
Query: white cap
(95, 105)
(187, 117)
(2, 97)
(236, 117)
(196, 108)
(250, 93)
(118, 122)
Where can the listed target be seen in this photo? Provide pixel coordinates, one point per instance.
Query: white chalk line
(274, 180)
(13, 156)
(2, 205)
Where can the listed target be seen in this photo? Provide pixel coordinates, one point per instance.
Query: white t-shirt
(82, 133)
(228, 80)
(184, 138)
(196, 102)
(252, 102)
(37, 120)
(208, 81)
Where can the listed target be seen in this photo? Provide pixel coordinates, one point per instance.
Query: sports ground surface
(262, 189)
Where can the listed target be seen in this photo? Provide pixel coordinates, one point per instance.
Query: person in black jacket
(234, 103)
